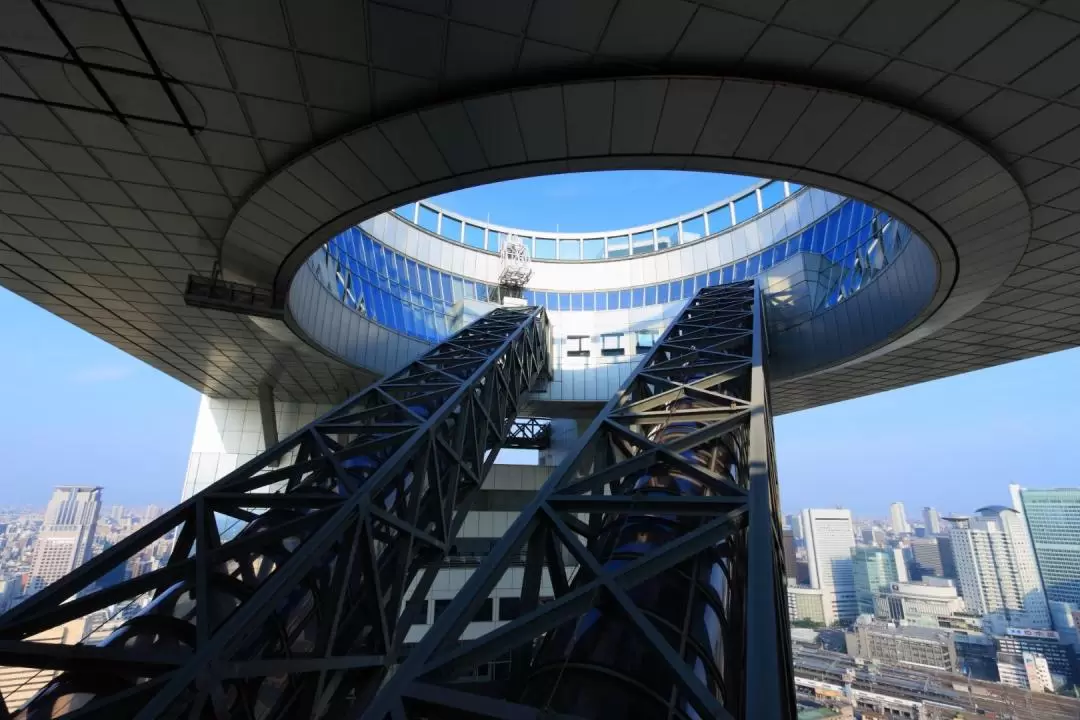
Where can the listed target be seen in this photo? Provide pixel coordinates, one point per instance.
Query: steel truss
(660, 539)
(529, 434)
(285, 593)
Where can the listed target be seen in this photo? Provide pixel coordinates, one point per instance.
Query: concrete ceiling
(140, 137)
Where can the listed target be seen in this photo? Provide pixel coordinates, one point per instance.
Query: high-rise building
(874, 570)
(1060, 658)
(830, 538)
(898, 518)
(997, 570)
(789, 553)
(67, 535)
(926, 558)
(1053, 521)
(932, 520)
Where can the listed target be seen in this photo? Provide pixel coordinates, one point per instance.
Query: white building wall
(229, 433)
(830, 538)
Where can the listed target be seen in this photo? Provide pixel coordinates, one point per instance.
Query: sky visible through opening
(77, 410)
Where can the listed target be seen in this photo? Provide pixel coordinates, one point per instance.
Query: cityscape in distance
(916, 614)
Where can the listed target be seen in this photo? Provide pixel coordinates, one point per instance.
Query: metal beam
(285, 588)
(668, 506)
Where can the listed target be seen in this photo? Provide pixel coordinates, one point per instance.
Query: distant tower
(898, 518)
(996, 567)
(830, 538)
(932, 520)
(515, 269)
(67, 536)
(1053, 520)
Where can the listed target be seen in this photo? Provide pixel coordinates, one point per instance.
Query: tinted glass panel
(746, 208)
(474, 237)
(643, 243)
(593, 249)
(429, 219)
(451, 228)
(495, 240)
(618, 246)
(667, 237)
(693, 229)
(569, 249)
(545, 249)
(720, 219)
(772, 194)
(406, 211)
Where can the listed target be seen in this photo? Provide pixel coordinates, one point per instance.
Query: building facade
(830, 539)
(997, 570)
(874, 570)
(926, 558)
(898, 518)
(932, 520)
(1053, 521)
(918, 603)
(893, 644)
(1060, 658)
(67, 535)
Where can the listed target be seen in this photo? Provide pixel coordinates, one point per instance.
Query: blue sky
(76, 409)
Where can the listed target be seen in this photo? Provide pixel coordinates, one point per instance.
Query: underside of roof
(142, 142)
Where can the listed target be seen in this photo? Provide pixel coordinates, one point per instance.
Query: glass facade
(874, 569)
(415, 299)
(1053, 519)
(709, 221)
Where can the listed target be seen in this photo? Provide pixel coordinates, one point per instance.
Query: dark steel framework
(284, 594)
(660, 540)
(530, 434)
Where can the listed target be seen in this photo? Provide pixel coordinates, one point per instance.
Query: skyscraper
(789, 552)
(926, 557)
(874, 570)
(830, 538)
(898, 518)
(1053, 519)
(932, 520)
(67, 534)
(997, 570)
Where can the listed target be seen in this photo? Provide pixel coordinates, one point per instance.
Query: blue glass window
(720, 219)
(688, 288)
(529, 297)
(767, 259)
(794, 187)
(727, 274)
(624, 299)
(570, 249)
(613, 300)
(564, 301)
(575, 301)
(753, 265)
(451, 228)
(638, 297)
(676, 290)
(552, 301)
(650, 295)
(495, 240)
(589, 301)
(425, 281)
(845, 221)
(470, 290)
(644, 243)
(746, 207)
(618, 246)
(414, 275)
(459, 287)
(693, 229)
(662, 293)
(740, 270)
(772, 194)
(402, 268)
(593, 249)
(714, 277)
(820, 231)
(428, 219)
(699, 281)
(406, 211)
(667, 237)
(545, 249)
(474, 236)
(601, 301)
